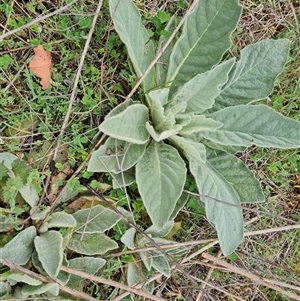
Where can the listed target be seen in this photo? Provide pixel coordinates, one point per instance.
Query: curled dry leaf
(41, 65)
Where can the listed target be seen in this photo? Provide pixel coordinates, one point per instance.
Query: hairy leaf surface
(200, 92)
(95, 220)
(127, 21)
(221, 204)
(50, 251)
(236, 173)
(115, 156)
(252, 78)
(160, 175)
(260, 125)
(129, 125)
(91, 243)
(205, 37)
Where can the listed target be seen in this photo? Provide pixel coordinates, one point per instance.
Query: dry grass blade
(266, 282)
(111, 283)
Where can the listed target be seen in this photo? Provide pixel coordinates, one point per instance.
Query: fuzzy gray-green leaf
(115, 156)
(252, 78)
(247, 125)
(246, 186)
(205, 37)
(127, 21)
(50, 251)
(160, 175)
(222, 205)
(95, 220)
(91, 243)
(129, 125)
(20, 248)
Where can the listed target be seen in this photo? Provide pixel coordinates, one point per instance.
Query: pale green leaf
(19, 249)
(222, 205)
(147, 259)
(236, 173)
(128, 238)
(90, 265)
(190, 148)
(38, 214)
(30, 195)
(95, 220)
(115, 156)
(49, 288)
(200, 92)
(161, 264)
(179, 205)
(183, 119)
(14, 278)
(62, 277)
(200, 123)
(160, 176)
(4, 288)
(160, 232)
(247, 125)
(127, 22)
(7, 159)
(136, 274)
(60, 219)
(129, 125)
(159, 136)
(205, 37)
(252, 78)
(123, 179)
(91, 243)
(161, 68)
(50, 251)
(120, 108)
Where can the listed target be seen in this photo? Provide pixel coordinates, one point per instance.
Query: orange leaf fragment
(41, 65)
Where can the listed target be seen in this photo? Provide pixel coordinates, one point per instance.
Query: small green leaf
(60, 219)
(19, 277)
(200, 123)
(160, 175)
(3, 171)
(49, 288)
(136, 274)
(90, 265)
(161, 265)
(128, 238)
(92, 244)
(159, 136)
(115, 156)
(153, 231)
(189, 148)
(123, 179)
(128, 125)
(50, 251)
(19, 249)
(30, 195)
(95, 220)
(21, 169)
